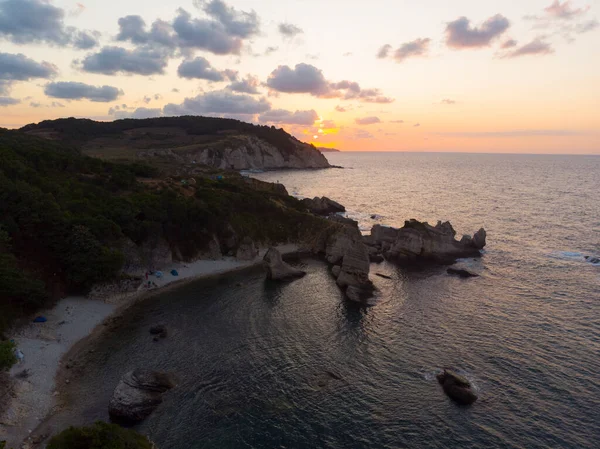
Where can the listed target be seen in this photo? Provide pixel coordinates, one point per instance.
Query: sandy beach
(45, 346)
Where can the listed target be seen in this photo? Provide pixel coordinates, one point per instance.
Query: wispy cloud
(512, 133)
(536, 47)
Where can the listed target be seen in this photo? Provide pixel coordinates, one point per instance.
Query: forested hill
(68, 221)
(217, 142)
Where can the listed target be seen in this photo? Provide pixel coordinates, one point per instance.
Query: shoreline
(73, 323)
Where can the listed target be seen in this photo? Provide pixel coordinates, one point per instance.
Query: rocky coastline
(348, 252)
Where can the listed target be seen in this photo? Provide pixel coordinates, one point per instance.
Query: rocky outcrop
(277, 269)
(346, 250)
(323, 206)
(137, 395)
(457, 387)
(247, 250)
(421, 241)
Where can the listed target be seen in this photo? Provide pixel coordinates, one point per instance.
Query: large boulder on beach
(247, 250)
(420, 241)
(323, 206)
(457, 387)
(137, 395)
(277, 269)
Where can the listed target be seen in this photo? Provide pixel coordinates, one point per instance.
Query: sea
(296, 365)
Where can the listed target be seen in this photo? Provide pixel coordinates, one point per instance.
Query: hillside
(70, 221)
(216, 142)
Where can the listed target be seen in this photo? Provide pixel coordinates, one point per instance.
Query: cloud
(18, 67)
(306, 78)
(270, 50)
(199, 68)
(367, 120)
(219, 102)
(328, 124)
(448, 101)
(71, 90)
(84, 40)
(585, 27)
(357, 134)
(8, 101)
(56, 104)
(38, 21)
(236, 23)
(202, 34)
(460, 33)
(289, 30)
(509, 44)
(117, 60)
(512, 133)
(139, 113)
(307, 118)
(535, 47)
(340, 109)
(248, 85)
(565, 10)
(348, 53)
(418, 47)
(396, 121)
(384, 51)
(222, 32)
(416, 125)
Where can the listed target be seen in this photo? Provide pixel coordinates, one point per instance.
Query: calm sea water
(297, 366)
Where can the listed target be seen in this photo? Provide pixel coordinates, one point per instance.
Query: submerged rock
(277, 269)
(323, 206)
(137, 395)
(461, 273)
(421, 241)
(457, 387)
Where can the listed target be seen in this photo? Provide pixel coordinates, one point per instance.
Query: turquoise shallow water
(259, 363)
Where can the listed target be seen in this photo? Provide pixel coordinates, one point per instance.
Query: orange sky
(384, 75)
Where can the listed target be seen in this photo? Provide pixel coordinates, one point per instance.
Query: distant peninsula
(225, 144)
(327, 150)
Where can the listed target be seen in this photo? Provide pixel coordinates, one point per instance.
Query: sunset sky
(382, 75)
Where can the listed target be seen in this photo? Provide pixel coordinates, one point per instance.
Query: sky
(383, 75)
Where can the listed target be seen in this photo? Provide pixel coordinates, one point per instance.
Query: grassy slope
(123, 138)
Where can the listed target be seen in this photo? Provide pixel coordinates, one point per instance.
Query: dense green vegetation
(65, 218)
(7, 355)
(99, 436)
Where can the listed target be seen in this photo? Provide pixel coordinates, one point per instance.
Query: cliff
(216, 142)
(70, 221)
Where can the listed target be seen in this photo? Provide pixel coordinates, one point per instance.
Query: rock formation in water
(421, 241)
(461, 273)
(348, 254)
(457, 387)
(323, 206)
(137, 395)
(277, 269)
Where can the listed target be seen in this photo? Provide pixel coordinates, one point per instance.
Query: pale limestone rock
(137, 395)
(247, 250)
(418, 240)
(277, 269)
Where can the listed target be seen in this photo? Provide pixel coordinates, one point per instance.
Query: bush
(7, 356)
(99, 436)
